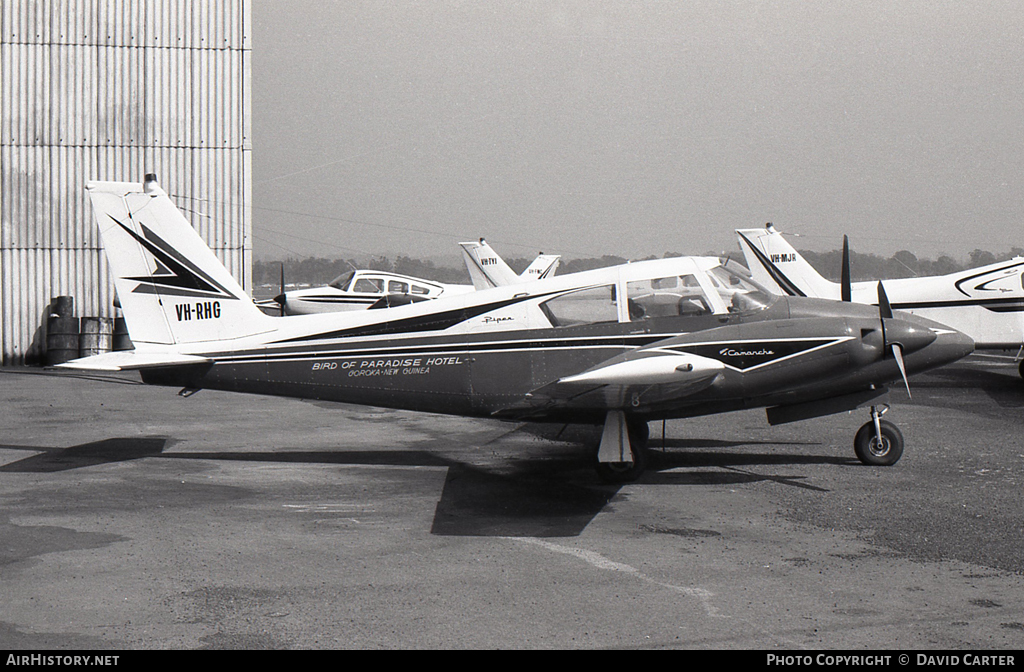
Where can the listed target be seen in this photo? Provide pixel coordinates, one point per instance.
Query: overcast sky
(635, 128)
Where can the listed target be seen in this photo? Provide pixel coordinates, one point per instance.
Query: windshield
(341, 282)
(739, 292)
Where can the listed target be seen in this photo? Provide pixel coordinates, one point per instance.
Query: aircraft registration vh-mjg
(619, 346)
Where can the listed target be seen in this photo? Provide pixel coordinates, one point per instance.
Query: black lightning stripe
(778, 276)
(183, 279)
(980, 275)
(431, 322)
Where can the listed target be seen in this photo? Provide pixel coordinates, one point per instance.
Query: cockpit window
(666, 297)
(739, 293)
(341, 282)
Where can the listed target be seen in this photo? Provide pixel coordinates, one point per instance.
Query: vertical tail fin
(544, 266)
(486, 268)
(774, 263)
(171, 286)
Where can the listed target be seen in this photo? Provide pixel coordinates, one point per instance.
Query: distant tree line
(903, 264)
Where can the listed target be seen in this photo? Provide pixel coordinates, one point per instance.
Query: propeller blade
(897, 352)
(281, 298)
(884, 309)
(847, 287)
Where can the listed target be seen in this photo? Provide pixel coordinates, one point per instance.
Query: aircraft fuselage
(794, 351)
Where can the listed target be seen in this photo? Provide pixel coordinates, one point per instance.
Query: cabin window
(369, 286)
(666, 297)
(586, 306)
(396, 287)
(419, 289)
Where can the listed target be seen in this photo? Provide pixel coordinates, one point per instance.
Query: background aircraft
(362, 289)
(488, 270)
(986, 303)
(619, 346)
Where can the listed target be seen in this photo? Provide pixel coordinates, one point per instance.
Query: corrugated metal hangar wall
(111, 90)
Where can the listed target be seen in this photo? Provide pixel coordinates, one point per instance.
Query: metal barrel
(121, 340)
(62, 336)
(62, 306)
(95, 337)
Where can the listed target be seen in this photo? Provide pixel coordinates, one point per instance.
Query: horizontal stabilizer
(131, 360)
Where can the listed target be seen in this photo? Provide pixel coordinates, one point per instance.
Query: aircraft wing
(658, 375)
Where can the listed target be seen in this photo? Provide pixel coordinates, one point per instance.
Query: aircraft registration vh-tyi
(618, 347)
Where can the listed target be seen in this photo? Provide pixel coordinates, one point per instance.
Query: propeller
(885, 313)
(280, 298)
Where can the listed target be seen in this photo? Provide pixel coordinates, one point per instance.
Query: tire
(865, 444)
(627, 472)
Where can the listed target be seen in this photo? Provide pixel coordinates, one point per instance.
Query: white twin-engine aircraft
(986, 303)
(617, 347)
(361, 289)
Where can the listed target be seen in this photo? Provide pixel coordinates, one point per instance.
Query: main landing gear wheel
(626, 472)
(878, 451)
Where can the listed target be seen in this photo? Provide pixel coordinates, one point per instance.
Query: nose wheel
(879, 443)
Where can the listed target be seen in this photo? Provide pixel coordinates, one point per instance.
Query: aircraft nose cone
(280, 299)
(946, 346)
(957, 344)
(910, 336)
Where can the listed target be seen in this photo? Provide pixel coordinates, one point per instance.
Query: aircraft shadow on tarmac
(551, 497)
(1002, 387)
(85, 455)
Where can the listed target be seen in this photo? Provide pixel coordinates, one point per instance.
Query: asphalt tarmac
(132, 518)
